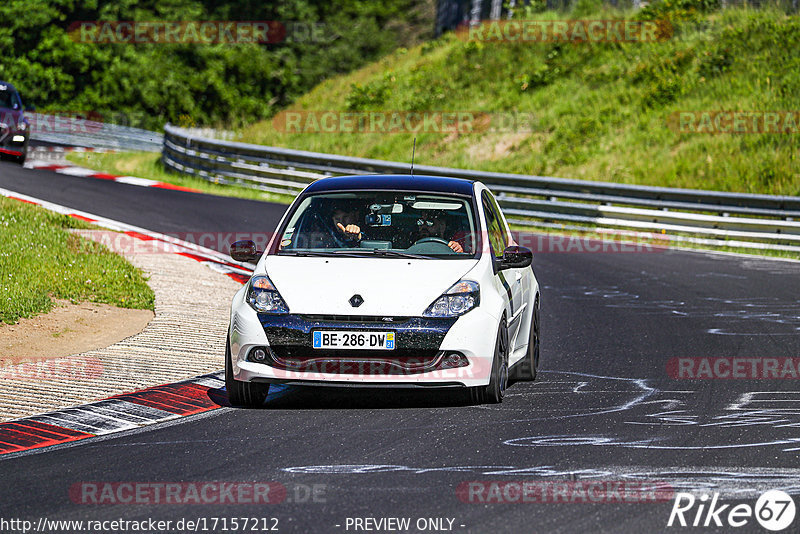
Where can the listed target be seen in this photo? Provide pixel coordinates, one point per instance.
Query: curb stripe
(115, 414)
(83, 172)
(178, 399)
(241, 278)
(23, 200)
(26, 435)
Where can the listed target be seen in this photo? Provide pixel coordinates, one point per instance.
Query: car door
(510, 280)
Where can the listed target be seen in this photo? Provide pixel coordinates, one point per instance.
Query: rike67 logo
(774, 510)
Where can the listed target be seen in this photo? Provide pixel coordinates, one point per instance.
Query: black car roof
(399, 182)
(10, 86)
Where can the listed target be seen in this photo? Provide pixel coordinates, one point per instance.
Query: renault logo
(356, 301)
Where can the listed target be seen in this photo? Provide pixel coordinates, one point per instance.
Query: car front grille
(416, 348)
(364, 319)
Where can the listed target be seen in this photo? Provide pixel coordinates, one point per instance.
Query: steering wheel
(434, 244)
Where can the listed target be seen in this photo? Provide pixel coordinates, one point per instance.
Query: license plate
(343, 339)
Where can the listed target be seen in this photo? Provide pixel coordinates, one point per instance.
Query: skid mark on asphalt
(653, 419)
(735, 316)
(734, 482)
(659, 418)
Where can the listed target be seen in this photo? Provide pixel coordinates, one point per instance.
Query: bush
(215, 85)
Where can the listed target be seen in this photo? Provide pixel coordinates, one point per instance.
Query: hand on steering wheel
(452, 245)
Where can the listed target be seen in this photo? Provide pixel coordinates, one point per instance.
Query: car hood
(388, 286)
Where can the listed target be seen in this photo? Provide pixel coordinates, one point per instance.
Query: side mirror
(245, 250)
(516, 258)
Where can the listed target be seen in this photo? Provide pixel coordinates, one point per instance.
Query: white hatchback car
(400, 281)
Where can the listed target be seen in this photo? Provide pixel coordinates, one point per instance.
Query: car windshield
(381, 223)
(7, 99)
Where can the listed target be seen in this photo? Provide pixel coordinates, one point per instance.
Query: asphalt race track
(604, 408)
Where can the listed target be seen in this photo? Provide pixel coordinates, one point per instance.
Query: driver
(344, 220)
(433, 223)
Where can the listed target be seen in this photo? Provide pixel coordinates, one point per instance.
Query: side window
(16, 101)
(497, 234)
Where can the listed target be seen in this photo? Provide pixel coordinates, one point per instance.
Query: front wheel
(494, 392)
(244, 394)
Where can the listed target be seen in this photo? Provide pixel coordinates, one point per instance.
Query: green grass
(41, 261)
(148, 165)
(600, 110)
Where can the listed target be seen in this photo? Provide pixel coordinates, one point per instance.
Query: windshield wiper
(394, 254)
(314, 253)
(355, 253)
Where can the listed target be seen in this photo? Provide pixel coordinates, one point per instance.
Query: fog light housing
(453, 360)
(258, 354)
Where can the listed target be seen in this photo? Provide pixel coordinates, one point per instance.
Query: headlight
(264, 297)
(457, 300)
(22, 126)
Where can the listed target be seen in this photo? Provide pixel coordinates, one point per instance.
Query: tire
(494, 392)
(529, 368)
(242, 394)
(20, 159)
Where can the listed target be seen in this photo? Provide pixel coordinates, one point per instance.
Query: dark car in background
(14, 127)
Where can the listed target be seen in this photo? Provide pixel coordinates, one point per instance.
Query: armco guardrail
(755, 221)
(75, 131)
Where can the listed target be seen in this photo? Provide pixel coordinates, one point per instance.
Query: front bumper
(10, 142)
(419, 359)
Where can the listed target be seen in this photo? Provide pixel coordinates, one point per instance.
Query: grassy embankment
(599, 111)
(42, 261)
